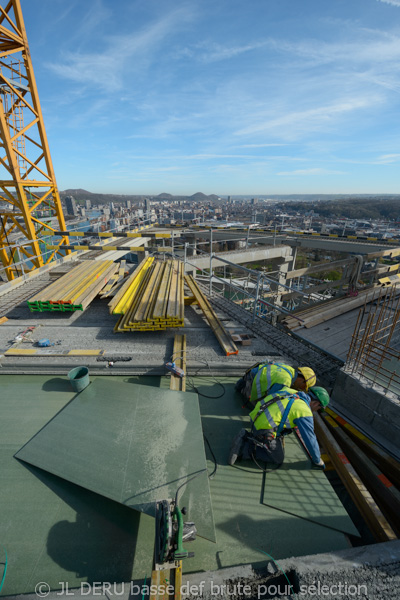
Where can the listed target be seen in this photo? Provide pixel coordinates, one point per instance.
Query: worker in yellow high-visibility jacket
(268, 378)
(273, 417)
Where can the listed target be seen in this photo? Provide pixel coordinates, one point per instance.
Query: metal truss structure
(30, 205)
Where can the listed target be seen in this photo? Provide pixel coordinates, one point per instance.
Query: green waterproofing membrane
(56, 531)
(132, 444)
(292, 511)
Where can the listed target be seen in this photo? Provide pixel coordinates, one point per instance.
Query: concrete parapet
(364, 401)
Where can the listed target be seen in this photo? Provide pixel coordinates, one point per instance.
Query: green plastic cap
(320, 394)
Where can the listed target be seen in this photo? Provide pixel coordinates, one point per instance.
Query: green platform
(130, 443)
(56, 531)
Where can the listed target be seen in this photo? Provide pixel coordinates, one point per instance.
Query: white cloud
(214, 52)
(315, 171)
(387, 159)
(297, 123)
(366, 47)
(259, 145)
(392, 2)
(109, 69)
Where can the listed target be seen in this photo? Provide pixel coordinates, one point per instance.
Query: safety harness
(280, 431)
(277, 398)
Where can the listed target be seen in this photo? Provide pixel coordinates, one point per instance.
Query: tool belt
(264, 447)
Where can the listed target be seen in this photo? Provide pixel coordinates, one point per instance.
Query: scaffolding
(30, 205)
(374, 351)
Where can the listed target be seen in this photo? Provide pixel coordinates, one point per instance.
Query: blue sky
(220, 96)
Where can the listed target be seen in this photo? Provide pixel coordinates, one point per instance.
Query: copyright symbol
(42, 589)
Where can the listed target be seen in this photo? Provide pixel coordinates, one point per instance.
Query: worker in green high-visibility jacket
(268, 378)
(275, 416)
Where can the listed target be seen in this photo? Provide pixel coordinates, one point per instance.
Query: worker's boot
(237, 446)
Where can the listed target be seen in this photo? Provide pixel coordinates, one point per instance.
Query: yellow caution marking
(84, 352)
(20, 352)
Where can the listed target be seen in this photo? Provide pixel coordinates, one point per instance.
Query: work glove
(319, 465)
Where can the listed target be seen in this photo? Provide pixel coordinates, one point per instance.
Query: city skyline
(276, 97)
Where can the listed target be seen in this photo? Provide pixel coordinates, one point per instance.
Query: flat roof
(56, 531)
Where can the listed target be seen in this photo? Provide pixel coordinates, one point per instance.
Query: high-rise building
(88, 204)
(146, 205)
(70, 205)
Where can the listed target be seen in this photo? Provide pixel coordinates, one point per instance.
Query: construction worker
(268, 378)
(275, 416)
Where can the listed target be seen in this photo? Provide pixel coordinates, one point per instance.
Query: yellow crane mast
(30, 205)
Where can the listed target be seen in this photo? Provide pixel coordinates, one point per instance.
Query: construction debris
(75, 290)
(152, 299)
(242, 338)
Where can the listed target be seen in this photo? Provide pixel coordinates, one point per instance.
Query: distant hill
(82, 195)
(374, 208)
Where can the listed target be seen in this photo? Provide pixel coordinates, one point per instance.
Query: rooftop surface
(57, 531)
(60, 532)
(93, 329)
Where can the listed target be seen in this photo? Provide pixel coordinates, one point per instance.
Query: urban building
(70, 205)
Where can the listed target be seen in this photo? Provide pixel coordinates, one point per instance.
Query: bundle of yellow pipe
(74, 290)
(152, 299)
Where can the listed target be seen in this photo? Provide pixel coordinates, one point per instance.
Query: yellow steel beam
(122, 300)
(224, 338)
(389, 465)
(178, 384)
(382, 489)
(365, 503)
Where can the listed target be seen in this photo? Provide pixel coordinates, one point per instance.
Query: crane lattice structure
(30, 205)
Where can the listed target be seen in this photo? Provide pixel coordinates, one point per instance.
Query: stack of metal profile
(152, 299)
(74, 290)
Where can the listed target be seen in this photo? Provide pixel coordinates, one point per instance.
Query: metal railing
(257, 292)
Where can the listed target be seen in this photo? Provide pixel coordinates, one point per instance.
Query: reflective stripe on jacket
(271, 375)
(300, 416)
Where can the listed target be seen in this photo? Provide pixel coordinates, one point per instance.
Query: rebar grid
(371, 353)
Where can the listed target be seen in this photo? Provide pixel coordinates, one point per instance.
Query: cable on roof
(5, 570)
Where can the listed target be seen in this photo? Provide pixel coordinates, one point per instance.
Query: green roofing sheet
(131, 443)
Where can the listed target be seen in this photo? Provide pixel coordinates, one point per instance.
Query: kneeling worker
(275, 416)
(269, 378)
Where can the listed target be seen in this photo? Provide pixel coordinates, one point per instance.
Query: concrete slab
(371, 572)
(93, 329)
(333, 335)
